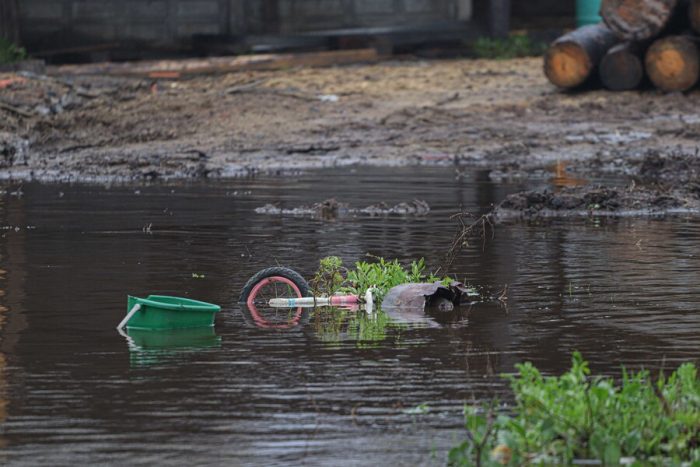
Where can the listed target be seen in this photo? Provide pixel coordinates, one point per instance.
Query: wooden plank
(191, 67)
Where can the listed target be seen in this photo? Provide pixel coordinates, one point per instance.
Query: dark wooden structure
(48, 26)
(9, 20)
(499, 17)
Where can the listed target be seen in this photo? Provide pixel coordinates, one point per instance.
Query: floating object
(163, 312)
(422, 296)
(369, 300)
(269, 283)
(312, 302)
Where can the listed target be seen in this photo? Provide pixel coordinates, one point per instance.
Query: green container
(162, 312)
(587, 12)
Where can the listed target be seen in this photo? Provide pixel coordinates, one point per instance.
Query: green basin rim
(176, 303)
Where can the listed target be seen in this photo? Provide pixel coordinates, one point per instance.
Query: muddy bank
(592, 201)
(499, 115)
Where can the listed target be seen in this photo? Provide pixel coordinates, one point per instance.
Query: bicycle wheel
(277, 282)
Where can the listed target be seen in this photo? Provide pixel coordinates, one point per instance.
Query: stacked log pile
(638, 41)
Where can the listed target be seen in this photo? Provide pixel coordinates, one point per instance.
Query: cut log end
(573, 58)
(637, 19)
(622, 68)
(673, 63)
(567, 65)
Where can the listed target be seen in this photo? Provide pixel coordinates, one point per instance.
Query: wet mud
(595, 201)
(499, 116)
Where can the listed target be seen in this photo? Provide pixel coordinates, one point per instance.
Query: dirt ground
(498, 115)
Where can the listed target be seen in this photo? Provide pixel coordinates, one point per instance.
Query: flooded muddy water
(338, 388)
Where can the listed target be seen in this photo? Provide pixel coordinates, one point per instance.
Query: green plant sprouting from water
(381, 274)
(10, 52)
(515, 46)
(576, 416)
(329, 278)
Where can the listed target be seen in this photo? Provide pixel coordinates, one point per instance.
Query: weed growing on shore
(575, 416)
(515, 46)
(10, 52)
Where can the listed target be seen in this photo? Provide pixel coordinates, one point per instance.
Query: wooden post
(622, 68)
(673, 63)
(271, 16)
(9, 20)
(499, 18)
(573, 58)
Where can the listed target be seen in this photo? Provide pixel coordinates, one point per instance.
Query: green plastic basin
(163, 312)
(587, 12)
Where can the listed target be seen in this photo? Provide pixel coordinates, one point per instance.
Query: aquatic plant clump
(574, 417)
(380, 275)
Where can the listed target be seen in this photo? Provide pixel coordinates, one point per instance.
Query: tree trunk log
(673, 63)
(636, 20)
(9, 20)
(622, 68)
(573, 58)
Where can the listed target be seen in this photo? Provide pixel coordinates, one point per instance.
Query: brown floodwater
(338, 388)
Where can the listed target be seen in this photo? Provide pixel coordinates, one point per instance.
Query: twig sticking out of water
(503, 296)
(467, 233)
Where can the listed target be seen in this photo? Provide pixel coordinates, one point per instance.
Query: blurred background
(93, 30)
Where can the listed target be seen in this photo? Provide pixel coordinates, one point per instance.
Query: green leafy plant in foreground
(576, 416)
(10, 52)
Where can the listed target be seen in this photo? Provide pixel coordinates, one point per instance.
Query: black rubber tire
(280, 271)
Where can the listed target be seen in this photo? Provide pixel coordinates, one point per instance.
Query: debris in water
(434, 296)
(332, 208)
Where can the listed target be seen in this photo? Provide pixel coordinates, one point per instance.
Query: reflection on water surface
(331, 388)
